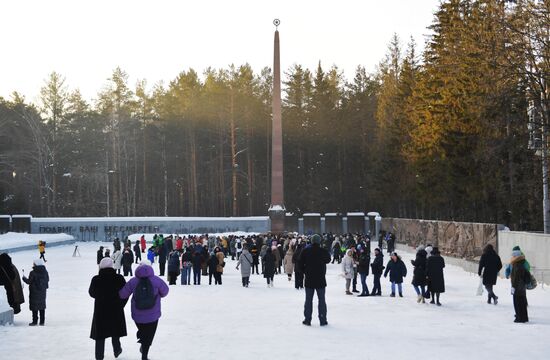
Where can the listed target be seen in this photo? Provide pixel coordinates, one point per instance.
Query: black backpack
(144, 295)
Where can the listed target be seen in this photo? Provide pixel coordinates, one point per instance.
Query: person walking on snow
(419, 273)
(397, 269)
(146, 289)
(244, 260)
(434, 275)
(137, 252)
(108, 320)
(287, 262)
(519, 277)
(363, 270)
(269, 266)
(489, 266)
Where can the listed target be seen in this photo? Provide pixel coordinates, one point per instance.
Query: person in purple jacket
(146, 318)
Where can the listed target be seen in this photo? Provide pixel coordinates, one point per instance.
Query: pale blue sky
(85, 40)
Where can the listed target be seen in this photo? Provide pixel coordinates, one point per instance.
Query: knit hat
(316, 239)
(516, 248)
(38, 262)
(106, 263)
(145, 262)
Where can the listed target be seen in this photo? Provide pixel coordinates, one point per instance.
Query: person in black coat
(127, 261)
(197, 267)
(212, 266)
(162, 258)
(100, 254)
(397, 269)
(269, 266)
(298, 271)
(108, 319)
(419, 273)
(377, 267)
(173, 267)
(363, 269)
(9, 278)
(137, 252)
(489, 265)
(434, 275)
(38, 285)
(313, 261)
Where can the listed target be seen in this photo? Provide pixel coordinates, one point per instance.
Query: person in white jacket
(347, 269)
(117, 260)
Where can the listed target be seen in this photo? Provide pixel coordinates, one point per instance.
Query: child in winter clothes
(173, 267)
(397, 269)
(151, 255)
(42, 249)
(347, 269)
(38, 284)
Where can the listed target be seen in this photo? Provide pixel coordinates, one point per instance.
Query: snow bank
(11, 242)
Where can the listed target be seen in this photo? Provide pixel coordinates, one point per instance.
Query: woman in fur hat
(38, 284)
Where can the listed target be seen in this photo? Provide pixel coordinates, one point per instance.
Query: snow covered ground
(13, 240)
(231, 322)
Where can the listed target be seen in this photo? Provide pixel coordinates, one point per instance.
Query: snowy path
(230, 322)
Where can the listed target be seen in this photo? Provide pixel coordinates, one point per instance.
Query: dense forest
(443, 134)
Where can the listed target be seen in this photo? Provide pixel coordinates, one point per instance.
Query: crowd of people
(302, 258)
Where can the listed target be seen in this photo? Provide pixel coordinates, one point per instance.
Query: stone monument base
(6, 317)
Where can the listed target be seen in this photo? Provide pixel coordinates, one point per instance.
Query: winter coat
(419, 272)
(281, 256)
(187, 259)
(151, 256)
(127, 259)
(197, 261)
(296, 260)
(117, 260)
(269, 264)
(143, 243)
(287, 261)
(108, 319)
(174, 262)
(434, 273)
(364, 261)
(377, 265)
(212, 264)
(137, 250)
(313, 261)
(99, 256)
(221, 261)
(519, 276)
(347, 267)
(38, 284)
(239, 246)
(245, 262)
(397, 270)
(254, 252)
(489, 265)
(160, 290)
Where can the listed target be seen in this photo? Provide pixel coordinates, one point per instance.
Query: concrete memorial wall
(105, 229)
(536, 248)
(458, 239)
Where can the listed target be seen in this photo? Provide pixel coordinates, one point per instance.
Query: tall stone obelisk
(277, 209)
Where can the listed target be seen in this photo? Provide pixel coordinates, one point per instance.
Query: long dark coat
(490, 264)
(313, 261)
(434, 273)
(9, 278)
(38, 285)
(108, 320)
(364, 262)
(378, 264)
(269, 264)
(419, 272)
(397, 270)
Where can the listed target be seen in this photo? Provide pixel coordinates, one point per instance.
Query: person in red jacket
(143, 243)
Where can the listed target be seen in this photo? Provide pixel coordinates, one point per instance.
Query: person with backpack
(489, 266)
(146, 289)
(38, 285)
(520, 277)
(173, 267)
(397, 269)
(377, 267)
(245, 262)
(108, 319)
